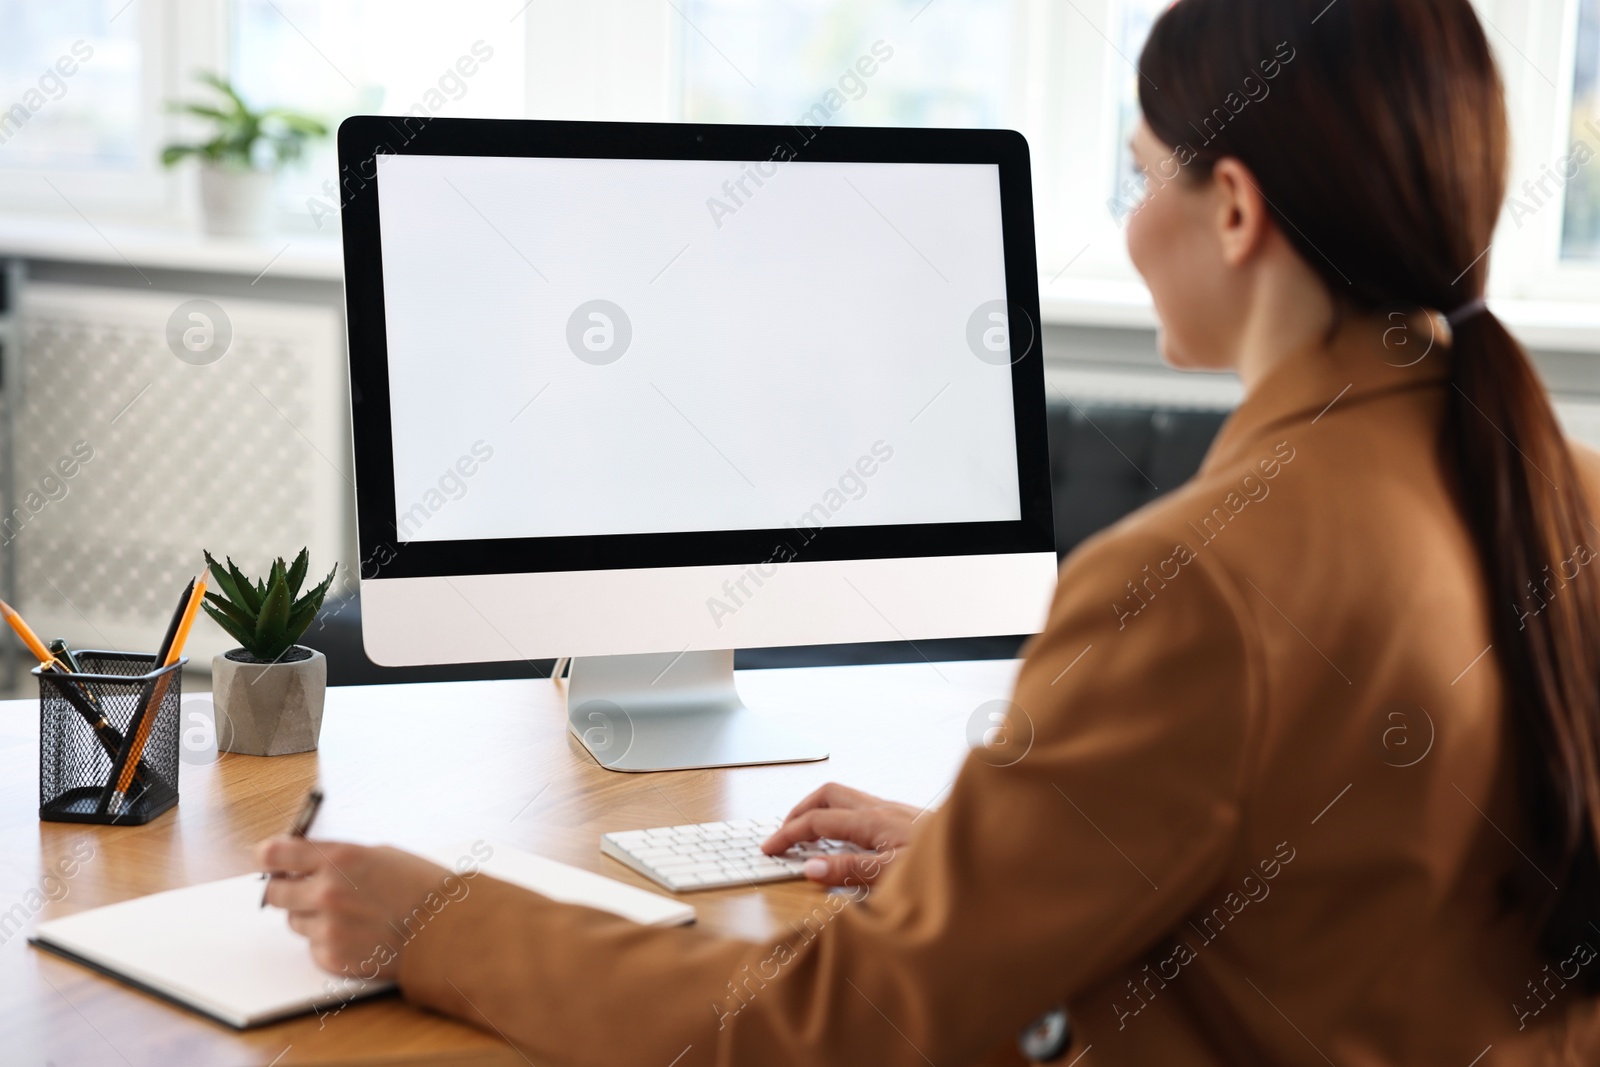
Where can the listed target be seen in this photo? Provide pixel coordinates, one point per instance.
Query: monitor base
(672, 712)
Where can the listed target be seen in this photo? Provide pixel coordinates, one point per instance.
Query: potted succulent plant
(268, 692)
(240, 163)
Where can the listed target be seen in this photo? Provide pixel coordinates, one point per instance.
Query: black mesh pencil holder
(116, 712)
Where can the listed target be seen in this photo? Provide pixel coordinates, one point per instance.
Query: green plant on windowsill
(240, 161)
(267, 617)
(244, 139)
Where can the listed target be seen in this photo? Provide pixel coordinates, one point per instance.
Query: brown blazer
(1266, 806)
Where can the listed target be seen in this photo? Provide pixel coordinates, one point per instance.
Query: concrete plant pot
(235, 202)
(269, 709)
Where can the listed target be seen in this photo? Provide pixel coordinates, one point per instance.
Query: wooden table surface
(420, 766)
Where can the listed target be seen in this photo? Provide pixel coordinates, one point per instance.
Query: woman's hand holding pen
(844, 814)
(347, 900)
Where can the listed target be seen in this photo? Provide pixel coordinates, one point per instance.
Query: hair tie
(1467, 311)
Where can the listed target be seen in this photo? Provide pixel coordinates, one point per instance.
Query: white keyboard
(713, 855)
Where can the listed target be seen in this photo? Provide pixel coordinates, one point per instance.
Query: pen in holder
(118, 712)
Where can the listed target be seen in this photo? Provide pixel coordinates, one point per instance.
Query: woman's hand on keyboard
(843, 814)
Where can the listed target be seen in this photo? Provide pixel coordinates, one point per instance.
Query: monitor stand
(673, 711)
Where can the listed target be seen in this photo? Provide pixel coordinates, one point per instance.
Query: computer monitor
(641, 394)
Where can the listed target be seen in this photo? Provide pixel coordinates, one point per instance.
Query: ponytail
(1536, 536)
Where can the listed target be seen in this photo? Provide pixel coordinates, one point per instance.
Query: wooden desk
(430, 765)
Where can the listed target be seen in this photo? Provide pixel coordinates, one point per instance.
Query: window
(1061, 73)
(336, 58)
(787, 61)
(71, 78)
(341, 57)
(1137, 16)
(1580, 233)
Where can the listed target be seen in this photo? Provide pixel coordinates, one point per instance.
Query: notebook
(212, 947)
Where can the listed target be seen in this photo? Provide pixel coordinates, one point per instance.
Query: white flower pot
(268, 709)
(236, 203)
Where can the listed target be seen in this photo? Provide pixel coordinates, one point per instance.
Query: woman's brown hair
(1377, 132)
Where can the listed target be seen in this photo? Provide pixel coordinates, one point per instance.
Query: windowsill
(72, 239)
(1549, 326)
(1106, 304)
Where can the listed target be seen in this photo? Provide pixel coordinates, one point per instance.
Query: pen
(302, 827)
(67, 660)
(64, 655)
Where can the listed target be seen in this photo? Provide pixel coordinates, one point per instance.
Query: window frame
(1533, 43)
(171, 42)
(623, 60)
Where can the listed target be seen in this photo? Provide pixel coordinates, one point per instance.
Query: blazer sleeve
(1061, 855)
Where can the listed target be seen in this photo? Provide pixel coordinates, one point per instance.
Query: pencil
(177, 621)
(29, 638)
(116, 788)
(74, 692)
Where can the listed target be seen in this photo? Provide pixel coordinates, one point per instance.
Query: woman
(1325, 784)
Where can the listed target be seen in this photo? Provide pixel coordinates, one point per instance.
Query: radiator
(247, 456)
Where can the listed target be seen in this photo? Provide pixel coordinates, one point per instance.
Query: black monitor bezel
(362, 138)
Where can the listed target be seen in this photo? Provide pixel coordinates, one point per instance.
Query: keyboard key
(701, 869)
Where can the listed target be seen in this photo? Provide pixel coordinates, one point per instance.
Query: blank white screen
(772, 347)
